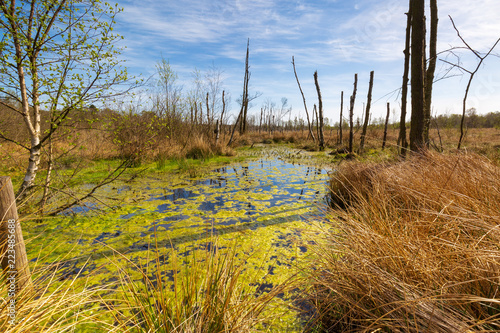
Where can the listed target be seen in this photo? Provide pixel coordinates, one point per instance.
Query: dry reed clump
(53, 304)
(200, 148)
(416, 248)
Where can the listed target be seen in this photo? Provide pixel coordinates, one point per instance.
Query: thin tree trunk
(341, 116)
(221, 123)
(320, 110)
(351, 112)
(429, 75)
(304, 99)
(195, 113)
(208, 113)
(315, 113)
(260, 122)
(50, 163)
(234, 128)
(404, 88)
(386, 124)
(244, 98)
(217, 130)
(367, 114)
(201, 113)
(417, 76)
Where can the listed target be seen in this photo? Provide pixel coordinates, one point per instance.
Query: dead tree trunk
(218, 124)
(208, 112)
(315, 115)
(320, 111)
(429, 75)
(341, 116)
(402, 142)
(304, 99)
(201, 113)
(386, 124)
(351, 113)
(208, 119)
(244, 98)
(367, 114)
(217, 130)
(234, 128)
(12, 248)
(260, 122)
(417, 76)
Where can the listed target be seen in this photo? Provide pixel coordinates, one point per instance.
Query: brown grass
(415, 250)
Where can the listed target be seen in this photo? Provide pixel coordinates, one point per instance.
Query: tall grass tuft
(55, 304)
(414, 247)
(203, 292)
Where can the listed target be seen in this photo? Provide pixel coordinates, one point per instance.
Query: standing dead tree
(429, 73)
(386, 124)
(315, 120)
(242, 115)
(209, 121)
(471, 77)
(320, 108)
(244, 98)
(404, 88)
(260, 122)
(304, 99)
(340, 121)
(367, 114)
(219, 121)
(417, 75)
(351, 113)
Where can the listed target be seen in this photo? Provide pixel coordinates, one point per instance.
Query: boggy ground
(255, 267)
(252, 217)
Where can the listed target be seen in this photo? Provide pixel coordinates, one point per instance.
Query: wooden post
(12, 249)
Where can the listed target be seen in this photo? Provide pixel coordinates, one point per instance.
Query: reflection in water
(253, 194)
(234, 193)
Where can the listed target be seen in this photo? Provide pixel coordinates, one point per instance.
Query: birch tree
(55, 56)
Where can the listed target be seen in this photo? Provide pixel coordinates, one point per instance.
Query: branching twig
(110, 178)
(471, 73)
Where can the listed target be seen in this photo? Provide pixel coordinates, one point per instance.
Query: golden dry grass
(417, 248)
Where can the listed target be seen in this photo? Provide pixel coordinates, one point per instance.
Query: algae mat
(265, 206)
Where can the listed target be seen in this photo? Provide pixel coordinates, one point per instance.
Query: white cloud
(338, 38)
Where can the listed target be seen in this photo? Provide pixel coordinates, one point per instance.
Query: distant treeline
(472, 120)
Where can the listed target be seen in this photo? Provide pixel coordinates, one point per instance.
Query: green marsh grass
(414, 246)
(205, 291)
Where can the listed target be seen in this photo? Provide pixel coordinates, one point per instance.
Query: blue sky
(335, 37)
